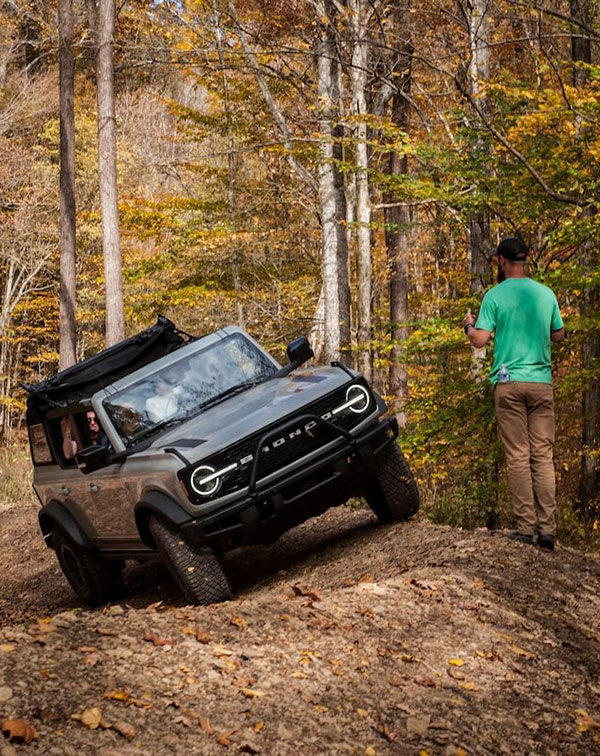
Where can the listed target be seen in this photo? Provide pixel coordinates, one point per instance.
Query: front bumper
(263, 515)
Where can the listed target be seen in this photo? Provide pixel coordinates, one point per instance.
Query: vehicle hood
(246, 413)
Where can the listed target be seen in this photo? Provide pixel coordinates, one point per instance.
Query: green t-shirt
(523, 313)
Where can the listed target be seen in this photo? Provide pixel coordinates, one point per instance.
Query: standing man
(525, 318)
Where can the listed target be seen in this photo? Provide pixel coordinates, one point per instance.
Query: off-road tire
(94, 580)
(392, 494)
(196, 569)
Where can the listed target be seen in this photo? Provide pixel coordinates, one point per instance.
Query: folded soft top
(80, 381)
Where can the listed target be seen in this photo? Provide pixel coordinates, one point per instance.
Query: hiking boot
(522, 537)
(546, 542)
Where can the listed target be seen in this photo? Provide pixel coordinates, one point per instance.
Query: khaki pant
(525, 413)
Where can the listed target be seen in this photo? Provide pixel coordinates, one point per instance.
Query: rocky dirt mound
(345, 637)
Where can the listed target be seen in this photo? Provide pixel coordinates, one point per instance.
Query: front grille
(281, 455)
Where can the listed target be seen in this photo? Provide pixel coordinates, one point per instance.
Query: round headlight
(204, 482)
(358, 398)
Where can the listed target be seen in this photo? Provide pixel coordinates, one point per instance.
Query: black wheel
(196, 569)
(94, 580)
(392, 494)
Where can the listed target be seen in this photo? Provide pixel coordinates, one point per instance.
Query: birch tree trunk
(589, 307)
(336, 299)
(360, 59)
(479, 231)
(102, 16)
(67, 328)
(231, 167)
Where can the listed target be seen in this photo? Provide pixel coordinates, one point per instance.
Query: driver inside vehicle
(95, 434)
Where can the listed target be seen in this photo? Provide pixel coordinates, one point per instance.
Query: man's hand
(469, 319)
(477, 336)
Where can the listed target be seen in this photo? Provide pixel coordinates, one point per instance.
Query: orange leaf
(18, 729)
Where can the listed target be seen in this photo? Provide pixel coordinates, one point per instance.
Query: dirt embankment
(345, 637)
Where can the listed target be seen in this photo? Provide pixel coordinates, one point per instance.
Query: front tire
(94, 580)
(196, 569)
(392, 494)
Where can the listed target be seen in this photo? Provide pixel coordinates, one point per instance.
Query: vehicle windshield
(183, 388)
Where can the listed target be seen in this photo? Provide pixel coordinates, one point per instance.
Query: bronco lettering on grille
(306, 428)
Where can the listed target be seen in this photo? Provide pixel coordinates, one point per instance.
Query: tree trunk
(103, 12)
(359, 71)
(231, 167)
(332, 196)
(67, 328)
(589, 485)
(397, 216)
(479, 232)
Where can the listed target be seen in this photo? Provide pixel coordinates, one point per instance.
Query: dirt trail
(345, 637)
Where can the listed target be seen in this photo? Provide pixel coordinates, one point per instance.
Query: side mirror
(299, 351)
(92, 458)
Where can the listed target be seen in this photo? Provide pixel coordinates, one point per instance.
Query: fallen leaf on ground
(205, 725)
(224, 738)
(299, 591)
(157, 641)
(468, 685)
(221, 650)
(238, 621)
(456, 662)
(585, 722)
(258, 726)
(154, 607)
(117, 695)
(522, 652)
(18, 729)
(124, 729)
(91, 718)
(417, 725)
(201, 635)
(248, 747)
(6, 647)
(251, 693)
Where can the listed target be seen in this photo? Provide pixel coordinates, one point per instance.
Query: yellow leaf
(370, 751)
(322, 709)
(251, 693)
(7, 648)
(456, 662)
(116, 695)
(585, 722)
(461, 752)
(258, 726)
(522, 652)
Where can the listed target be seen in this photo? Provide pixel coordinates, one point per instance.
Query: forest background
(336, 168)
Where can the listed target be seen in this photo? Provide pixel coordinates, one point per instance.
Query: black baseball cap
(512, 249)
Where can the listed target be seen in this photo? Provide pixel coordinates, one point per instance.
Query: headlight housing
(206, 481)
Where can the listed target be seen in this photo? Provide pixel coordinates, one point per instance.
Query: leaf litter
(336, 641)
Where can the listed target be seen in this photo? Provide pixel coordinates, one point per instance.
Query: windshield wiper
(158, 427)
(229, 392)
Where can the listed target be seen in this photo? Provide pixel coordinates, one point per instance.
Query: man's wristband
(467, 326)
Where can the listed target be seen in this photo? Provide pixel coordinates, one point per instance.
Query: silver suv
(180, 448)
